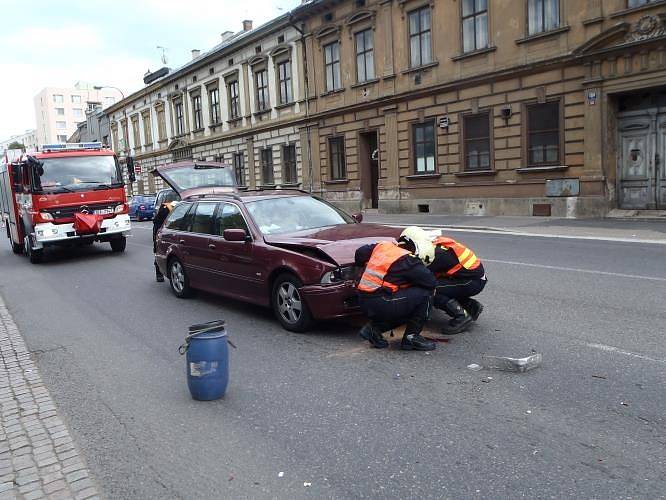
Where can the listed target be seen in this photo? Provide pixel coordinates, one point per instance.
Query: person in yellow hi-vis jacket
(459, 272)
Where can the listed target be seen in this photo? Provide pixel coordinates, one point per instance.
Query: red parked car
(284, 249)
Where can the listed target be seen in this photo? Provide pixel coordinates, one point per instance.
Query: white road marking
(503, 232)
(610, 348)
(576, 270)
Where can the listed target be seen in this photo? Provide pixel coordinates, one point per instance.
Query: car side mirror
(358, 217)
(235, 235)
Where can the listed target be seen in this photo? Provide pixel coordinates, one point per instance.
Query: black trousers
(459, 289)
(410, 306)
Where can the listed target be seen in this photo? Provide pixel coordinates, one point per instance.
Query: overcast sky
(44, 43)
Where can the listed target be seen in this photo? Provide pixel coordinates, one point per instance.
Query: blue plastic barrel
(207, 361)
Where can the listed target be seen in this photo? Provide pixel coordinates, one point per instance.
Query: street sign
(137, 168)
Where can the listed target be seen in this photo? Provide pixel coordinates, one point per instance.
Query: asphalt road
(332, 414)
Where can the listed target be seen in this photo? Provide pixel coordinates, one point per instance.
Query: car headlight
(339, 275)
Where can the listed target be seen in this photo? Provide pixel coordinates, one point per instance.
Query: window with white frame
(336, 149)
(542, 15)
(638, 3)
(267, 166)
(239, 168)
(60, 111)
(77, 112)
(62, 138)
(61, 125)
(214, 102)
(420, 37)
(332, 66)
(234, 99)
(261, 83)
(284, 82)
(425, 147)
(196, 112)
(475, 25)
(58, 99)
(365, 56)
(76, 99)
(289, 173)
(180, 118)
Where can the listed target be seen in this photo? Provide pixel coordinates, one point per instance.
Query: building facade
(28, 139)
(508, 107)
(58, 110)
(95, 128)
(240, 103)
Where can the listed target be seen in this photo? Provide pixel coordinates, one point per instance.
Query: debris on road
(600, 376)
(475, 367)
(519, 365)
(306, 484)
(623, 403)
(280, 474)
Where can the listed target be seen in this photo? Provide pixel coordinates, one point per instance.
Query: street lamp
(100, 87)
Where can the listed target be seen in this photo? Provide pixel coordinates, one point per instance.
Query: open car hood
(188, 178)
(337, 244)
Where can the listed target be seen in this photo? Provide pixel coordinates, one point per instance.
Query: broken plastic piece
(520, 365)
(280, 474)
(475, 367)
(307, 485)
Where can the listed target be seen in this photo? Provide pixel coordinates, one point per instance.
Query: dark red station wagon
(284, 249)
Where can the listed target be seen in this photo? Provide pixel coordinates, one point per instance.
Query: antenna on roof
(164, 56)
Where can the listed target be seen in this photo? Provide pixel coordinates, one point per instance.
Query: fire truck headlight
(40, 233)
(46, 216)
(121, 209)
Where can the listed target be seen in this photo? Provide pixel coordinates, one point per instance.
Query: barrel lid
(207, 331)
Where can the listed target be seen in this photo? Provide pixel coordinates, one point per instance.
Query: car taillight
(121, 209)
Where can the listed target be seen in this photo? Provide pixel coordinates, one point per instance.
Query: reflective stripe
(383, 256)
(466, 258)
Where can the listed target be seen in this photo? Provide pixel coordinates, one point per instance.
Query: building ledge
(548, 168)
(261, 112)
(594, 20)
(235, 121)
(366, 83)
(475, 173)
(337, 181)
(545, 34)
(285, 105)
(473, 53)
(640, 8)
(198, 130)
(267, 186)
(332, 92)
(290, 185)
(418, 177)
(423, 67)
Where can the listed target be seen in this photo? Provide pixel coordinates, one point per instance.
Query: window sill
(637, 9)
(475, 173)
(332, 92)
(235, 121)
(595, 20)
(198, 130)
(547, 168)
(473, 53)
(372, 81)
(267, 186)
(285, 105)
(290, 185)
(418, 177)
(545, 34)
(420, 68)
(337, 181)
(213, 126)
(261, 112)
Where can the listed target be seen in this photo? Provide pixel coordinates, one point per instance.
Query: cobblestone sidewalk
(38, 458)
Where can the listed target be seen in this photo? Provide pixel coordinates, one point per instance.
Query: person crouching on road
(459, 272)
(158, 220)
(395, 289)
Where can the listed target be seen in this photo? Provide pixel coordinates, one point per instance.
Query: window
(147, 129)
(332, 65)
(196, 112)
(234, 100)
(239, 168)
(261, 82)
(161, 123)
(638, 3)
(109, 101)
(178, 219)
(202, 222)
(420, 37)
(214, 100)
(60, 111)
(61, 125)
(284, 82)
(289, 174)
(476, 130)
(229, 217)
(135, 132)
(78, 113)
(180, 119)
(475, 24)
(267, 166)
(424, 148)
(76, 99)
(57, 98)
(336, 148)
(93, 105)
(543, 134)
(62, 138)
(542, 15)
(365, 57)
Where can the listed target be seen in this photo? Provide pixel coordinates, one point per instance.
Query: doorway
(369, 166)
(641, 152)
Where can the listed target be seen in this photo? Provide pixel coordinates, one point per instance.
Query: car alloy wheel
(178, 279)
(290, 308)
(289, 302)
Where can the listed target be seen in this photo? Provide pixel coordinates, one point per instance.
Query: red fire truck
(66, 194)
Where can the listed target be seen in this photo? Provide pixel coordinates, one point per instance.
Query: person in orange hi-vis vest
(395, 289)
(459, 272)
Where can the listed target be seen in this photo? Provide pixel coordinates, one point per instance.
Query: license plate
(103, 211)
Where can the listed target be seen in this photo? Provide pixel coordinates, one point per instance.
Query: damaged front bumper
(331, 301)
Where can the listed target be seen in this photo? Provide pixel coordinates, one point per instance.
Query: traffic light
(130, 169)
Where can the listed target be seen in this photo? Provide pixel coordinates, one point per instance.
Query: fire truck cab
(45, 195)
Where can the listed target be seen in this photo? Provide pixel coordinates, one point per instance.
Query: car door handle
(211, 246)
(182, 242)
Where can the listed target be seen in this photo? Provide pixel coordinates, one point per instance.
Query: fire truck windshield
(77, 173)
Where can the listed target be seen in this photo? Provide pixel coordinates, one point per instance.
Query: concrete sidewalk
(38, 458)
(640, 231)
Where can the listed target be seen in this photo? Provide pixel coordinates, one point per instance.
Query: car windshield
(77, 173)
(199, 176)
(295, 213)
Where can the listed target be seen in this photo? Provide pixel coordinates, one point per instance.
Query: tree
(16, 145)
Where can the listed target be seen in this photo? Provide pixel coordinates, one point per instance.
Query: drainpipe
(307, 95)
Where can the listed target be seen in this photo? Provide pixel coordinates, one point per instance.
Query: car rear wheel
(288, 304)
(180, 283)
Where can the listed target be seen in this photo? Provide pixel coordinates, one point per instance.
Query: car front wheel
(180, 284)
(288, 304)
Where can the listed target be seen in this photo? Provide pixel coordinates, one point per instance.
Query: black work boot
(473, 307)
(159, 277)
(461, 318)
(414, 342)
(373, 336)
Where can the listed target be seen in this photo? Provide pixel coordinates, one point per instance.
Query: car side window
(229, 217)
(178, 219)
(202, 222)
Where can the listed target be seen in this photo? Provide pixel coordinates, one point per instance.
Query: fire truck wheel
(180, 283)
(35, 256)
(17, 248)
(118, 244)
